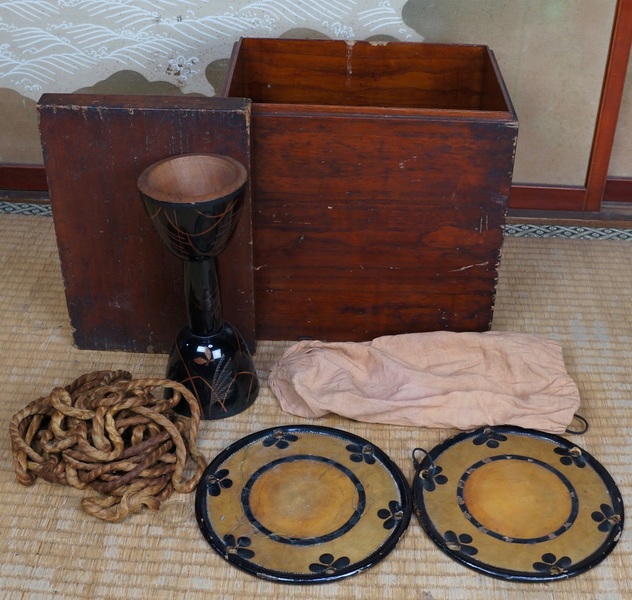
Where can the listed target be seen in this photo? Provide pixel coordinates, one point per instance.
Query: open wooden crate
(380, 177)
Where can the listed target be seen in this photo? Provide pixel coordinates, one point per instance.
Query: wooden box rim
(345, 111)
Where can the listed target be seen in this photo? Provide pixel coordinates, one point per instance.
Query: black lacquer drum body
(194, 202)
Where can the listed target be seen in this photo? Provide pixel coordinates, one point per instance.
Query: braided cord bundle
(107, 432)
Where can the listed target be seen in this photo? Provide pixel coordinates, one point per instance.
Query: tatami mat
(574, 291)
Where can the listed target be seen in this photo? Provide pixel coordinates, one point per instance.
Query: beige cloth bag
(438, 379)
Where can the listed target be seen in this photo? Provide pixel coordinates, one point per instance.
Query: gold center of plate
(303, 499)
(517, 499)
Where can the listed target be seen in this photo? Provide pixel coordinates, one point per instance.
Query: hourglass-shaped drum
(194, 202)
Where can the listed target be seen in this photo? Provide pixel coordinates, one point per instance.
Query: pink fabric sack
(437, 379)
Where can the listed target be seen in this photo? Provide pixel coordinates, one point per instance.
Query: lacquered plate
(517, 504)
(303, 504)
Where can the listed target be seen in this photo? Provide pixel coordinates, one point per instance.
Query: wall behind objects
(552, 54)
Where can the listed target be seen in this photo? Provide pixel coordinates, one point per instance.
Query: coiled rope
(107, 432)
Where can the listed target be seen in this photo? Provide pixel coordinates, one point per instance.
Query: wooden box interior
(390, 75)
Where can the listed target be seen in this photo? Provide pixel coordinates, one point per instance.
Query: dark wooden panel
(392, 316)
(124, 290)
(543, 197)
(31, 178)
(370, 225)
(375, 302)
(618, 189)
(361, 237)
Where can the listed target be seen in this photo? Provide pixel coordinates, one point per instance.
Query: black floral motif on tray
(280, 439)
(551, 565)
(432, 477)
(391, 515)
(460, 543)
(361, 453)
(571, 456)
(238, 547)
(607, 518)
(216, 482)
(329, 565)
(490, 438)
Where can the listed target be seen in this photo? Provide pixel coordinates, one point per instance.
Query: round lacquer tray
(517, 504)
(303, 504)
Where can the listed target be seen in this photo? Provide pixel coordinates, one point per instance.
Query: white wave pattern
(61, 45)
(378, 18)
(30, 10)
(302, 11)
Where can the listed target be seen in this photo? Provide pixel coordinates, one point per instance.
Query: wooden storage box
(380, 178)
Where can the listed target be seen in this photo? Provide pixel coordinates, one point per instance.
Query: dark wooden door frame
(597, 187)
(609, 107)
(538, 197)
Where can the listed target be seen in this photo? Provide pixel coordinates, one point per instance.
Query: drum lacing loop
(584, 425)
(425, 473)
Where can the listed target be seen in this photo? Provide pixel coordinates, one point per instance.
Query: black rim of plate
(372, 558)
(460, 554)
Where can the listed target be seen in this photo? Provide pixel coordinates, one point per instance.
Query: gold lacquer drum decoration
(517, 504)
(303, 504)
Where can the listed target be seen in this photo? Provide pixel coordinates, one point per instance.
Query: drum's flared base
(218, 369)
